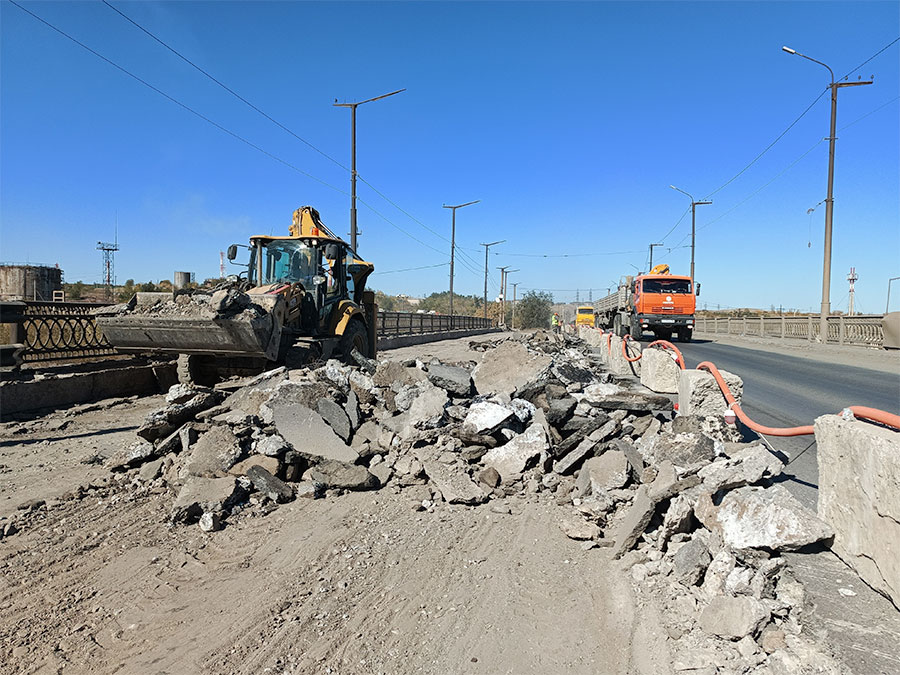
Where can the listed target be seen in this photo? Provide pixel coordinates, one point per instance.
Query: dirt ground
(98, 581)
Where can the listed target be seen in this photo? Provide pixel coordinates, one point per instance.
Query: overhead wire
(217, 125)
(413, 269)
(361, 178)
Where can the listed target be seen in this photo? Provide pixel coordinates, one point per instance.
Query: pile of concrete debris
(224, 302)
(692, 509)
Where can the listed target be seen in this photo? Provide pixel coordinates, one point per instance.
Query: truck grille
(667, 309)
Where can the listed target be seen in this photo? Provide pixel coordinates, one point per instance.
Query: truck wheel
(684, 335)
(663, 334)
(355, 337)
(636, 330)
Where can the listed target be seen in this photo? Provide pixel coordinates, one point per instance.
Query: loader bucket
(226, 335)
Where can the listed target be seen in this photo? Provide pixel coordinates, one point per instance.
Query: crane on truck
(659, 302)
(300, 297)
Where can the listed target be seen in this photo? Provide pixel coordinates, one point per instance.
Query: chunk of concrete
(271, 446)
(308, 433)
(578, 529)
(454, 486)
(271, 487)
(569, 462)
(213, 454)
(336, 474)
(756, 517)
(683, 450)
(335, 416)
(485, 417)
(659, 371)
(453, 379)
(427, 410)
(618, 364)
(511, 459)
(733, 618)
(509, 367)
(270, 464)
(201, 495)
(745, 466)
(632, 401)
(690, 562)
(635, 521)
(859, 496)
(609, 471)
(699, 393)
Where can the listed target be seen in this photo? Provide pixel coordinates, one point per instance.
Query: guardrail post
(841, 329)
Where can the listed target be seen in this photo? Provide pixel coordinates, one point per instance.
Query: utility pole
(514, 306)
(829, 199)
(353, 107)
(852, 277)
(453, 249)
(486, 247)
(694, 205)
(651, 256)
(502, 319)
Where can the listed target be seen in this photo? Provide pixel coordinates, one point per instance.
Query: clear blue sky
(568, 120)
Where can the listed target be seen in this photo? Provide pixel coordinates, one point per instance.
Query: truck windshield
(671, 286)
(284, 261)
(585, 310)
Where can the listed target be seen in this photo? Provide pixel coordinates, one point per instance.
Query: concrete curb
(388, 343)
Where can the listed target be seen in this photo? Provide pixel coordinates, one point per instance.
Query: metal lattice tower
(109, 265)
(852, 277)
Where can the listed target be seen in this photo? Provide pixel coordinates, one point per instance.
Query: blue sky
(568, 120)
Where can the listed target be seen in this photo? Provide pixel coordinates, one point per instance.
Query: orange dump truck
(659, 302)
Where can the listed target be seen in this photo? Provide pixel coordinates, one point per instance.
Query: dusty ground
(98, 581)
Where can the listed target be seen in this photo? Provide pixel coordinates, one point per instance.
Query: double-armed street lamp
(353, 107)
(453, 249)
(829, 202)
(694, 205)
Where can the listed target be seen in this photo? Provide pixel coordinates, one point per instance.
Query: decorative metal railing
(52, 330)
(391, 324)
(46, 331)
(860, 329)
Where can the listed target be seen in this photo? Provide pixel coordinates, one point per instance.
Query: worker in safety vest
(554, 322)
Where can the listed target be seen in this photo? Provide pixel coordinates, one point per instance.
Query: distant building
(29, 282)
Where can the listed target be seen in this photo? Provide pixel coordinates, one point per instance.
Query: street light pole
(353, 107)
(486, 247)
(453, 249)
(502, 320)
(694, 205)
(829, 201)
(651, 256)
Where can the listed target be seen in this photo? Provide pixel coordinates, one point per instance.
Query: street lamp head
(788, 50)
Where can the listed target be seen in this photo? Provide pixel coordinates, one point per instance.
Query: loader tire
(355, 337)
(199, 370)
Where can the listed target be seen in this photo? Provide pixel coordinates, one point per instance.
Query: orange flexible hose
(625, 352)
(872, 414)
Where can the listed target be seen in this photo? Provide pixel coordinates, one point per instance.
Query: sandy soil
(98, 581)
(361, 583)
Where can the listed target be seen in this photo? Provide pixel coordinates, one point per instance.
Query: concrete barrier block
(859, 496)
(617, 363)
(699, 394)
(659, 371)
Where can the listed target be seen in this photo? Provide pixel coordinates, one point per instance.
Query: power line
(565, 255)
(176, 101)
(222, 84)
(217, 125)
(413, 269)
(791, 125)
(871, 112)
(272, 119)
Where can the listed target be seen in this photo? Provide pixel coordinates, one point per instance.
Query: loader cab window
(284, 262)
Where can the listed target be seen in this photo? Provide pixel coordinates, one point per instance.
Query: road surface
(786, 390)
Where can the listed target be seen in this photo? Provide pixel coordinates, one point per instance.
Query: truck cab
(664, 304)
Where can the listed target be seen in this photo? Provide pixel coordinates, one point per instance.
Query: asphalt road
(783, 390)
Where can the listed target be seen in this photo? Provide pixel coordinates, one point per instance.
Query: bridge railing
(859, 329)
(392, 324)
(47, 331)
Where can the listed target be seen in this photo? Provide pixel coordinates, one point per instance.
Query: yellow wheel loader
(302, 297)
